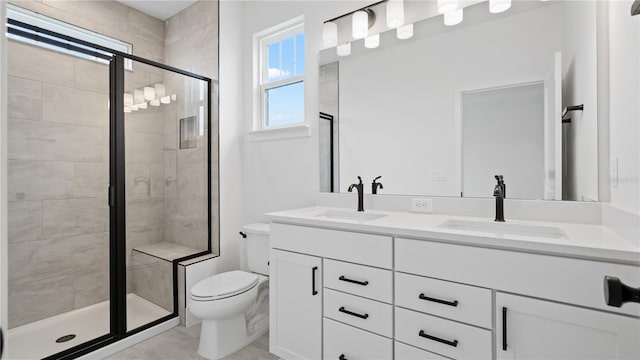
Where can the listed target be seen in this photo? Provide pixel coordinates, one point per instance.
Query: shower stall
(109, 176)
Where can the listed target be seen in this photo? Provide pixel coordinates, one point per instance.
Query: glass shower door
(58, 215)
(166, 167)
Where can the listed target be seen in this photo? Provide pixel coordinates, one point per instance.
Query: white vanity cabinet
(537, 329)
(295, 305)
(338, 294)
(353, 280)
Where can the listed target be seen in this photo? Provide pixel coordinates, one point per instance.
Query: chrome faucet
(500, 192)
(376, 185)
(360, 188)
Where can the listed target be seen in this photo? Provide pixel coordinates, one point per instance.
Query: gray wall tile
(24, 98)
(24, 221)
(67, 105)
(32, 62)
(37, 140)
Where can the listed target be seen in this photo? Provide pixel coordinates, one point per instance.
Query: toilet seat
(223, 285)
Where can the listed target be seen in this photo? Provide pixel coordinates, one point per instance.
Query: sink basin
(502, 229)
(350, 215)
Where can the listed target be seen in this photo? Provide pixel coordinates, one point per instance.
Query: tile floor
(182, 343)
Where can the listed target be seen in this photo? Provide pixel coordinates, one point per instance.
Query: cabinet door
(537, 329)
(295, 305)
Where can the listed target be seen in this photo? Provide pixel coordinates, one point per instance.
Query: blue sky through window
(285, 105)
(285, 59)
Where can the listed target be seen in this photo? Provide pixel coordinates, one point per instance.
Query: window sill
(277, 133)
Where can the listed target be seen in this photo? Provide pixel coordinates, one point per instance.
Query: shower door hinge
(112, 196)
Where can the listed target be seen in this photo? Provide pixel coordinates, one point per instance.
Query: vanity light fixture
(453, 18)
(361, 21)
(160, 90)
(404, 32)
(149, 93)
(152, 95)
(138, 96)
(360, 24)
(330, 34)
(498, 6)
(344, 49)
(372, 41)
(445, 6)
(128, 99)
(395, 13)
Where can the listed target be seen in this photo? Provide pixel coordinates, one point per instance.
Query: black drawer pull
(453, 343)
(342, 309)
(617, 293)
(445, 302)
(504, 328)
(314, 292)
(363, 283)
(342, 357)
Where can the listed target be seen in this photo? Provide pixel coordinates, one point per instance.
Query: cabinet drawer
(572, 281)
(360, 312)
(406, 352)
(367, 249)
(354, 344)
(459, 302)
(359, 280)
(441, 336)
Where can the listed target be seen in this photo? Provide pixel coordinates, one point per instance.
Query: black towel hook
(567, 120)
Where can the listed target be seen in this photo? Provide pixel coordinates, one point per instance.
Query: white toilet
(229, 303)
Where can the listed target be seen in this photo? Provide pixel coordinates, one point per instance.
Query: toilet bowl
(223, 301)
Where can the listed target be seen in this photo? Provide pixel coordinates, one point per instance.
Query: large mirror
(441, 113)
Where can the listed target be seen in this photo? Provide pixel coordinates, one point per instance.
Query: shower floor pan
(38, 339)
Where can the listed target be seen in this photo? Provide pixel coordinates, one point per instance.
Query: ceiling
(159, 9)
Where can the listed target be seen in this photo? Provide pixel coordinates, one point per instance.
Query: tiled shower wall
(191, 43)
(58, 163)
(58, 166)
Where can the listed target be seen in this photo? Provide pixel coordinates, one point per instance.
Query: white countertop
(593, 242)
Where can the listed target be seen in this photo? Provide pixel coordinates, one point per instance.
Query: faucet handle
(360, 180)
(374, 180)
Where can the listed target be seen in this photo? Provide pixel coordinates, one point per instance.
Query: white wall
(284, 173)
(398, 103)
(231, 149)
(624, 103)
(503, 132)
(579, 86)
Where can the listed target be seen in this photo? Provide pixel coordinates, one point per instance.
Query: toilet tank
(258, 247)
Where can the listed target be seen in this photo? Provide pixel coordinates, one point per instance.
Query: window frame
(52, 24)
(283, 31)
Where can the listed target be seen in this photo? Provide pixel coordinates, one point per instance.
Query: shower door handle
(112, 196)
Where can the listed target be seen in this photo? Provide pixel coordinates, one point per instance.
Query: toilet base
(224, 337)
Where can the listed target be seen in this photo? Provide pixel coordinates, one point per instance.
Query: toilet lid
(225, 284)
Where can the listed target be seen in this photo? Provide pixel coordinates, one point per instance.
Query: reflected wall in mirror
(441, 113)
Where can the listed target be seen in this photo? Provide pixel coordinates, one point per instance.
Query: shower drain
(65, 338)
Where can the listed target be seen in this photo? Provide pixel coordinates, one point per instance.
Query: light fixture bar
(349, 13)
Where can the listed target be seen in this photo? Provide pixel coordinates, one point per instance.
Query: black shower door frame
(117, 182)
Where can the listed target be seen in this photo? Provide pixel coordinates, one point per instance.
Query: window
(281, 76)
(51, 24)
